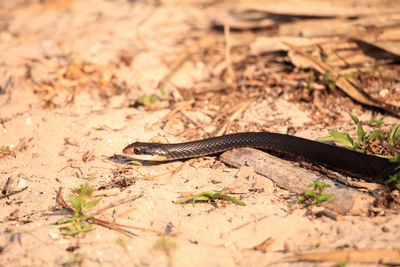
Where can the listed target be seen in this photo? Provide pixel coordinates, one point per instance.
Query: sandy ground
(55, 137)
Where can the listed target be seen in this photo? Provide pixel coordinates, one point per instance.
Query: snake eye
(137, 150)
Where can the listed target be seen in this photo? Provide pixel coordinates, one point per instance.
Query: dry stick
(145, 229)
(109, 225)
(123, 201)
(229, 190)
(126, 212)
(247, 223)
(262, 246)
(343, 83)
(203, 42)
(61, 200)
(37, 8)
(225, 127)
(14, 192)
(213, 89)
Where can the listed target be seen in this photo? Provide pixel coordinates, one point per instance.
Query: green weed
(120, 241)
(330, 81)
(148, 100)
(362, 137)
(395, 179)
(165, 244)
(208, 196)
(394, 135)
(389, 139)
(310, 80)
(316, 195)
(78, 223)
(77, 259)
(5, 148)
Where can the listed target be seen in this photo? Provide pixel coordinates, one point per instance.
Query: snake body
(334, 157)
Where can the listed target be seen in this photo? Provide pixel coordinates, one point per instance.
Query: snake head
(145, 151)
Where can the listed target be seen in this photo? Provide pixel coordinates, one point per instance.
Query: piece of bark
(346, 200)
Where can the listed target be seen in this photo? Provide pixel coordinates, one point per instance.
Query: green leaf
(5, 148)
(93, 203)
(343, 138)
(76, 203)
(325, 197)
(395, 135)
(354, 117)
(147, 100)
(330, 81)
(394, 159)
(360, 131)
(351, 75)
(376, 135)
(327, 185)
(310, 80)
(162, 92)
(393, 178)
(376, 123)
(311, 194)
(327, 139)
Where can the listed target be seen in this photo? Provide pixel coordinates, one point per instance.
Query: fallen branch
(346, 200)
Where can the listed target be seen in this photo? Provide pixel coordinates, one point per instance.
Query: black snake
(334, 157)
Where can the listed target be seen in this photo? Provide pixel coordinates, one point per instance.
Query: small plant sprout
(394, 135)
(330, 80)
(76, 260)
(5, 148)
(165, 244)
(345, 139)
(120, 241)
(148, 100)
(78, 222)
(315, 195)
(387, 139)
(395, 179)
(377, 133)
(310, 80)
(362, 137)
(208, 196)
(360, 130)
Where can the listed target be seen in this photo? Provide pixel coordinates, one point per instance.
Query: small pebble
(28, 121)
(53, 234)
(21, 183)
